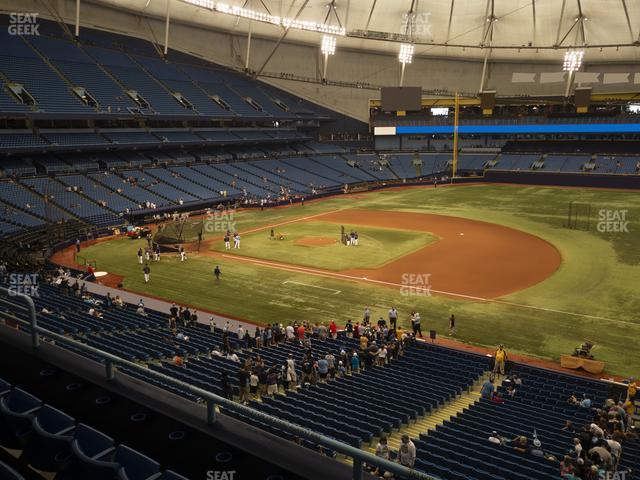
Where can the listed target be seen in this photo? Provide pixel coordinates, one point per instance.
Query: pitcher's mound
(315, 241)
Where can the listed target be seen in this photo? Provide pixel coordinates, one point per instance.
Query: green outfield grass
(595, 294)
(376, 246)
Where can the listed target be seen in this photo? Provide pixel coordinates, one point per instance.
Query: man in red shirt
(333, 329)
(301, 332)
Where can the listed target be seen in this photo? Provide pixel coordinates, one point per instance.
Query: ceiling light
(406, 53)
(202, 3)
(573, 60)
(328, 45)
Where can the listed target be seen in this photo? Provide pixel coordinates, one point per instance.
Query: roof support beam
(564, 4)
(166, 28)
(483, 78)
(282, 37)
(533, 18)
(373, 7)
(77, 32)
(450, 19)
(626, 14)
(249, 32)
(569, 31)
(488, 22)
(346, 14)
(582, 19)
(332, 8)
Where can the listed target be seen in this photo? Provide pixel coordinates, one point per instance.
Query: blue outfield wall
(515, 129)
(563, 179)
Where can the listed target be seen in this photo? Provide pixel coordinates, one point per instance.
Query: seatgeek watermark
(220, 222)
(25, 24)
(24, 284)
(612, 476)
(221, 475)
(415, 285)
(417, 24)
(612, 221)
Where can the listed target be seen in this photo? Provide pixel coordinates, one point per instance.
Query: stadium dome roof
(520, 30)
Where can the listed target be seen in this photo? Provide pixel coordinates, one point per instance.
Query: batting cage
(578, 216)
(179, 232)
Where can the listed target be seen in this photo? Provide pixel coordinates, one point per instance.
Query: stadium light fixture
(406, 53)
(285, 22)
(572, 60)
(405, 56)
(210, 4)
(328, 45)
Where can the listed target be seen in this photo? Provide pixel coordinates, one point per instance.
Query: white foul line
(335, 292)
(320, 273)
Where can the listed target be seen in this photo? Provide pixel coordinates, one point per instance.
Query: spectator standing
(500, 359)
(487, 389)
(292, 377)
(415, 323)
(226, 386)
(355, 363)
(333, 329)
(632, 389)
(349, 329)
(323, 370)
(243, 383)
(393, 318)
(407, 452)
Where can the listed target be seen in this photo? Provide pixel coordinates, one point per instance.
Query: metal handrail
(359, 456)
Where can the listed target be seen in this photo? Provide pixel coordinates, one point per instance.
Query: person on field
(140, 256)
(500, 359)
(452, 324)
(236, 241)
(183, 254)
(147, 271)
(217, 272)
(227, 241)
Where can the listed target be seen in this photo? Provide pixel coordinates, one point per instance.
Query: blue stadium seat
(5, 387)
(94, 451)
(17, 409)
(171, 475)
(50, 449)
(134, 465)
(8, 473)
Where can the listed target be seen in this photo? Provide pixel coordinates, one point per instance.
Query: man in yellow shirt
(500, 359)
(632, 389)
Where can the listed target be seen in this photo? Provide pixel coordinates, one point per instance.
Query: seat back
(171, 475)
(90, 441)
(19, 402)
(8, 473)
(136, 465)
(52, 421)
(5, 387)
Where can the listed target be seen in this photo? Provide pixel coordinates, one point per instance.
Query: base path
(473, 258)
